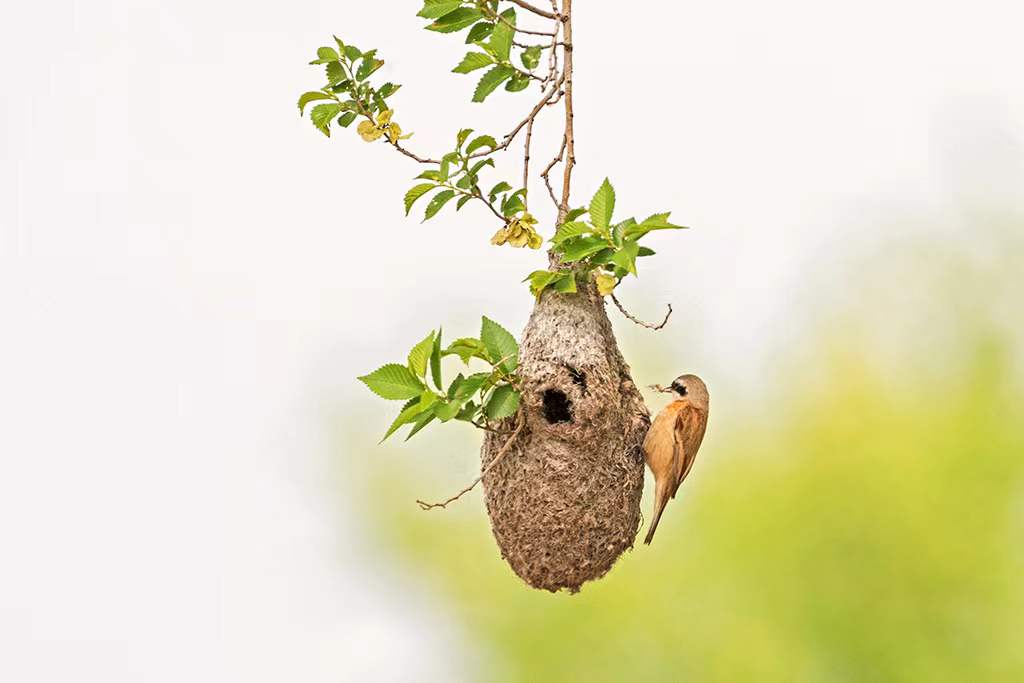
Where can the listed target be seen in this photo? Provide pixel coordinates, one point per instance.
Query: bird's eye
(680, 388)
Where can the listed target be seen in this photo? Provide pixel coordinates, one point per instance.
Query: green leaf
(461, 138)
(447, 410)
(541, 280)
(422, 421)
(491, 80)
(312, 97)
(408, 414)
(346, 119)
(437, 203)
(531, 57)
(504, 402)
(574, 214)
(393, 382)
(473, 61)
(434, 9)
(322, 114)
(468, 412)
(419, 357)
(658, 221)
(644, 251)
(580, 248)
(353, 53)
(566, 284)
(513, 204)
(625, 257)
(481, 141)
(502, 348)
(570, 230)
(388, 89)
(327, 54)
(456, 20)
(466, 348)
(498, 189)
(602, 206)
(479, 32)
(368, 65)
(335, 73)
(435, 360)
(430, 175)
(415, 193)
(518, 83)
(501, 38)
(480, 164)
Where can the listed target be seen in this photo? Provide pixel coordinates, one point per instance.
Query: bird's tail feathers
(660, 500)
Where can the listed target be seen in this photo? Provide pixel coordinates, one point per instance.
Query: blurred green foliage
(856, 525)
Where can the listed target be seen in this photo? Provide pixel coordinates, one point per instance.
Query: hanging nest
(564, 501)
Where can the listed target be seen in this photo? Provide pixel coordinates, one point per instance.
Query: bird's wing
(688, 433)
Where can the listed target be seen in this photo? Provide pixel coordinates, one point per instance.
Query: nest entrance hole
(557, 406)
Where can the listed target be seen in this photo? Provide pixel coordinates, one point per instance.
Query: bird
(671, 445)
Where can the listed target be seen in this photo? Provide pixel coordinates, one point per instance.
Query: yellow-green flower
(372, 131)
(519, 233)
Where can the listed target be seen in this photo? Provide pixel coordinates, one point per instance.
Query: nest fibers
(564, 501)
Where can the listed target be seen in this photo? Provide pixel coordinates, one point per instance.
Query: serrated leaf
(490, 81)
(481, 141)
(322, 114)
(462, 202)
(368, 65)
(434, 9)
(575, 213)
(466, 348)
(393, 382)
(456, 20)
(571, 229)
(658, 221)
(473, 61)
(498, 189)
(313, 96)
(461, 138)
(602, 206)
(504, 402)
(435, 360)
(502, 347)
(419, 356)
(580, 248)
(352, 53)
(406, 415)
(479, 32)
(566, 284)
(422, 421)
(415, 193)
(327, 53)
(346, 119)
(430, 175)
(625, 257)
(437, 203)
(531, 57)
(447, 410)
(645, 251)
(518, 83)
(501, 38)
(541, 280)
(388, 89)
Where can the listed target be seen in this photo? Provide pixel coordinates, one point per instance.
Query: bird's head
(690, 387)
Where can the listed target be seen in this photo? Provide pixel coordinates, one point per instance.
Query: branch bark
(570, 140)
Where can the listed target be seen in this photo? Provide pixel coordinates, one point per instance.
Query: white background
(190, 273)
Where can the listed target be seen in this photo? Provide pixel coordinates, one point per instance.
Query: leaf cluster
(492, 36)
(598, 246)
(458, 175)
(480, 398)
(348, 93)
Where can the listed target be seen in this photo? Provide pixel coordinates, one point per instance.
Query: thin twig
(515, 131)
(639, 322)
(497, 458)
(570, 139)
(535, 10)
(526, 164)
(547, 172)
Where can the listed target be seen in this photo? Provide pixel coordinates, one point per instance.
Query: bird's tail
(660, 500)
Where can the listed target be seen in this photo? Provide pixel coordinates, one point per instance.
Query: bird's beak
(659, 388)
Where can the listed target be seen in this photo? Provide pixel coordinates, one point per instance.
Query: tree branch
(570, 140)
(536, 10)
(497, 458)
(639, 322)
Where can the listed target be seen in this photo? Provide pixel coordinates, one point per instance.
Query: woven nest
(564, 501)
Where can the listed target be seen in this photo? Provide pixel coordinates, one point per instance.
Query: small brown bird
(670, 448)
